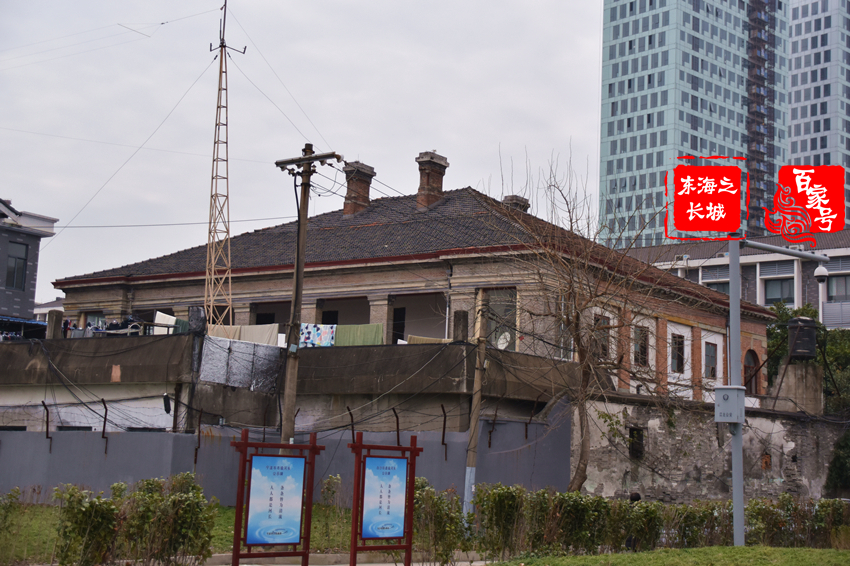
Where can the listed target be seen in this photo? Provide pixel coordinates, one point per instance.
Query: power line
(204, 155)
(176, 223)
(327, 145)
(132, 155)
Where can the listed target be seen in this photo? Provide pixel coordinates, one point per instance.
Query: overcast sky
(108, 108)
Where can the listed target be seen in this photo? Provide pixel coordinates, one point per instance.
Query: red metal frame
(308, 451)
(408, 452)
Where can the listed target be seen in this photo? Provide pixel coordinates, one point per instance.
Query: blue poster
(384, 496)
(275, 500)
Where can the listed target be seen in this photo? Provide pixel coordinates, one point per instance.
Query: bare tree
(605, 310)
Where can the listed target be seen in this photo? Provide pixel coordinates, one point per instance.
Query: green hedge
(511, 521)
(159, 521)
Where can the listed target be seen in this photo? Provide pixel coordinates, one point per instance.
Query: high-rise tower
(692, 78)
(820, 85)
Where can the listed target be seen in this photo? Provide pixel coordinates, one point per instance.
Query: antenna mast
(218, 304)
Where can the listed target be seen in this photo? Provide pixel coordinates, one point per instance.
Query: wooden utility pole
(475, 414)
(293, 335)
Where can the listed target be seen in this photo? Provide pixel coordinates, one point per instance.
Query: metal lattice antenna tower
(218, 304)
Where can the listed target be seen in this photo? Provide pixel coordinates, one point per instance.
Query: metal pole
(736, 429)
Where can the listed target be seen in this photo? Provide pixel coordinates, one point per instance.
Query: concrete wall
(26, 460)
(686, 454)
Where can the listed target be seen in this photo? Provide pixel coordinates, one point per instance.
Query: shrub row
(164, 521)
(510, 521)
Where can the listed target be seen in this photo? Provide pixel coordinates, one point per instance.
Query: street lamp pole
(735, 375)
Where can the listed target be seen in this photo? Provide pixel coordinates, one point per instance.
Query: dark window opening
(677, 353)
(751, 362)
(10, 428)
(70, 428)
(710, 360)
(641, 346)
(330, 317)
(398, 324)
(144, 429)
(636, 443)
(265, 318)
(16, 266)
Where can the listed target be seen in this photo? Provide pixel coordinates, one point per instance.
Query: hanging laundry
(317, 335)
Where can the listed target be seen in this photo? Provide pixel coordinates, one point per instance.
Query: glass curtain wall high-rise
(689, 78)
(820, 85)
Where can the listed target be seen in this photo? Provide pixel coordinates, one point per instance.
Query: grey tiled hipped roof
(388, 228)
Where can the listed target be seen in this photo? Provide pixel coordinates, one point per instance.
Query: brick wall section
(810, 286)
(748, 283)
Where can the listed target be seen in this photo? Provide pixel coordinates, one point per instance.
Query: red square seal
(810, 199)
(707, 199)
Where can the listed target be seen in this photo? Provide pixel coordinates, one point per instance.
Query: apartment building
(767, 278)
(820, 85)
(690, 78)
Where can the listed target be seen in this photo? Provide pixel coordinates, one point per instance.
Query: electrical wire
(132, 155)
(204, 155)
(280, 81)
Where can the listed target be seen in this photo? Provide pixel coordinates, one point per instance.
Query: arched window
(751, 362)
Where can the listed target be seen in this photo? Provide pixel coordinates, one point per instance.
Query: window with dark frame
(16, 266)
(776, 290)
(502, 318)
(677, 354)
(635, 443)
(71, 428)
(838, 288)
(710, 360)
(641, 346)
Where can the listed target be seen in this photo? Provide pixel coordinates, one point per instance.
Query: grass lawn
(710, 556)
(33, 536)
(331, 530)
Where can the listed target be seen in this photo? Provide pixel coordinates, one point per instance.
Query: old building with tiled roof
(415, 264)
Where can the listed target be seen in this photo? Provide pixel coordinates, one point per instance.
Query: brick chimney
(517, 202)
(432, 167)
(358, 177)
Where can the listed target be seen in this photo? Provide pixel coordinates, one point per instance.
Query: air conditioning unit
(722, 255)
(797, 247)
